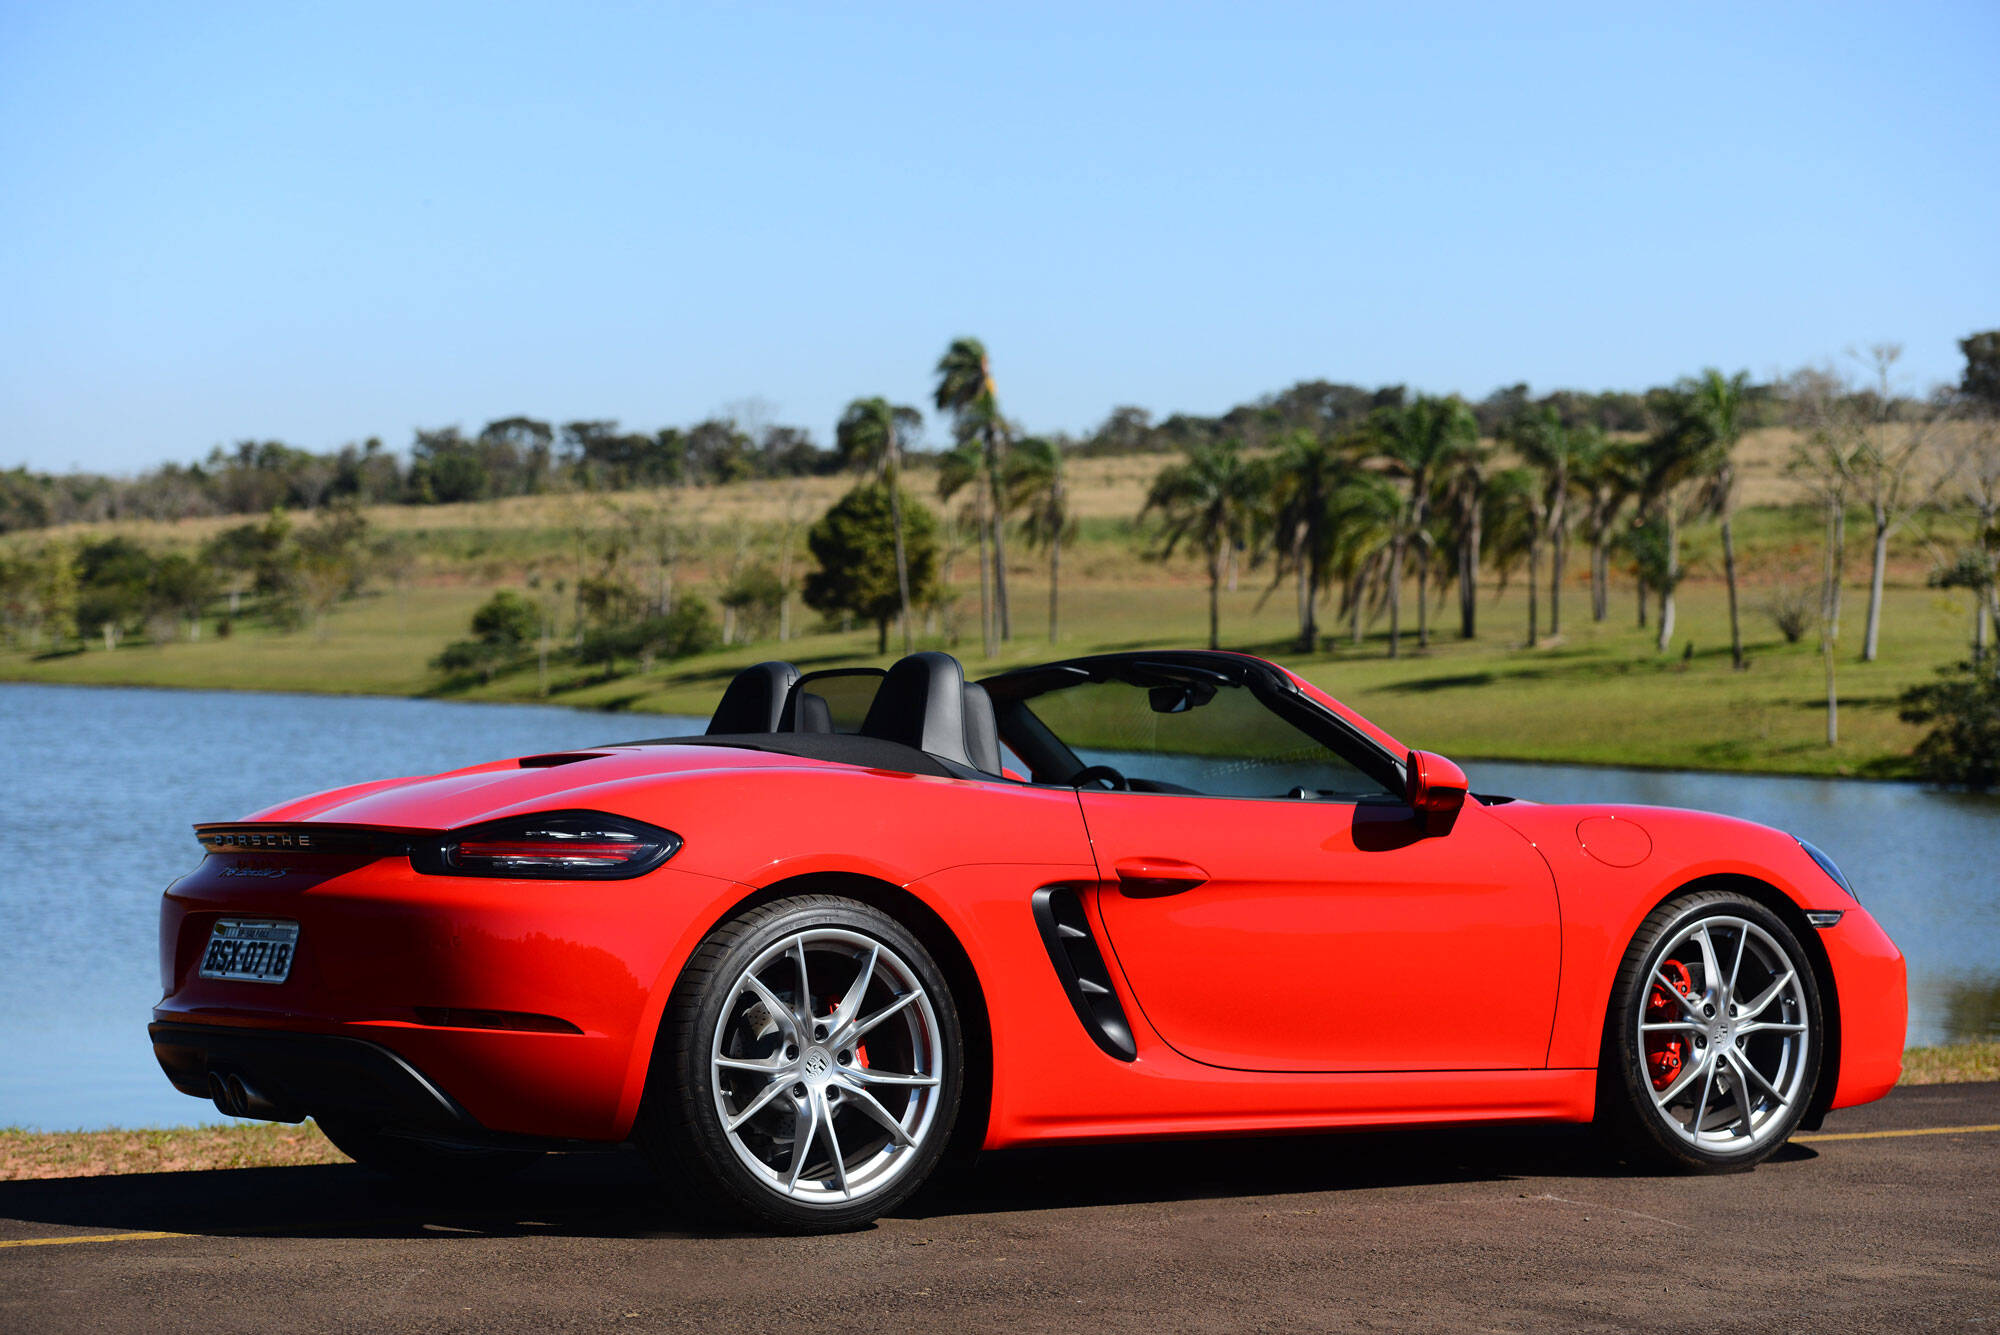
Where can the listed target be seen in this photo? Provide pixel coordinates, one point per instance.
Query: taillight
(553, 845)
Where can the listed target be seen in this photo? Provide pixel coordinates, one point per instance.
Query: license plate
(250, 950)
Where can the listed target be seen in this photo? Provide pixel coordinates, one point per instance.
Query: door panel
(1323, 936)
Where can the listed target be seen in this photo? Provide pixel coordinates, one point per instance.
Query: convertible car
(871, 918)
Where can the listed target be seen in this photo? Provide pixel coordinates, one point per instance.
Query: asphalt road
(1498, 1230)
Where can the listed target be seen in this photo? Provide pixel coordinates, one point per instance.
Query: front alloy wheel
(1713, 1044)
(817, 1067)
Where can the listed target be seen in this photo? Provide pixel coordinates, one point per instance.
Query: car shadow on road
(614, 1195)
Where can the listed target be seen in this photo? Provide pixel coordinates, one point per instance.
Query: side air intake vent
(1080, 967)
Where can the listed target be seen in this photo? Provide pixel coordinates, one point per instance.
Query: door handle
(1147, 878)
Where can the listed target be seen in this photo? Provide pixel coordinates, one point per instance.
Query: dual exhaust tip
(234, 1097)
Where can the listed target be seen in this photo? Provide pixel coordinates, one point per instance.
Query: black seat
(754, 699)
(924, 702)
(982, 730)
(831, 700)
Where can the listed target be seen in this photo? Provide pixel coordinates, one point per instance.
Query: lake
(102, 786)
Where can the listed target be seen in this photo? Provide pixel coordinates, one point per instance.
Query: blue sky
(322, 223)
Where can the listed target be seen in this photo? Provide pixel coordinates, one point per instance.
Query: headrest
(921, 703)
(754, 699)
(982, 732)
(807, 712)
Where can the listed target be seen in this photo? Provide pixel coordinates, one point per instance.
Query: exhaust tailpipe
(238, 1098)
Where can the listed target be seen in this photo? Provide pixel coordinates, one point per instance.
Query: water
(100, 788)
(102, 785)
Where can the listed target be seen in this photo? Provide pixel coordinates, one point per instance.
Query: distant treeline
(519, 456)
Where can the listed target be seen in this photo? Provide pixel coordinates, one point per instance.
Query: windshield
(1165, 729)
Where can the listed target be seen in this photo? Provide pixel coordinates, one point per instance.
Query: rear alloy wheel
(1714, 1037)
(816, 1062)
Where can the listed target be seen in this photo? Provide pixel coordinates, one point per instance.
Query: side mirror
(1436, 790)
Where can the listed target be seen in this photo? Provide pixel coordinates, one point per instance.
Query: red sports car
(872, 917)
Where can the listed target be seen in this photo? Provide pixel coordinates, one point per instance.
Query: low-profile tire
(815, 1021)
(1713, 1038)
(421, 1161)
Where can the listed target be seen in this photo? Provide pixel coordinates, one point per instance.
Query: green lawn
(1600, 694)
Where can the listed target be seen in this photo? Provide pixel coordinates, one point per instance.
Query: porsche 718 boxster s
(869, 918)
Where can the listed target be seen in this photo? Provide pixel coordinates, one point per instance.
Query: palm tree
(1361, 521)
(1418, 442)
(1718, 404)
(1303, 476)
(1680, 453)
(1512, 531)
(965, 390)
(960, 467)
(869, 437)
(1036, 486)
(1552, 449)
(1209, 498)
(1607, 474)
(1463, 490)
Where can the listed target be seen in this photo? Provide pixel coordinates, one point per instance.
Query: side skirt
(1272, 1105)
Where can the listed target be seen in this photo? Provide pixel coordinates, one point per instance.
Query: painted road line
(1887, 1135)
(89, 1237)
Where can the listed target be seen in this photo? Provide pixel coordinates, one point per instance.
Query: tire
(742, 1072)
(420, 1161)
(1728, 1056)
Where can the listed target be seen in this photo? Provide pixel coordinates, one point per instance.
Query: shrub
(1963, 745)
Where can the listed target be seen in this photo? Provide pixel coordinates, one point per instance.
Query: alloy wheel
(826, 1066)
(1724, 1035)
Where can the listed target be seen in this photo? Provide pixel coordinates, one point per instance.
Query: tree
(1973, 464)
(1823, 411)
(1512, 526)
(445, 467)
(1463, 495)
(1308, 468)
(1417, 442)
(753, 598)
(1362, 517)
(1208, 498)
(1963, 745)
(965, 390)
(854, 544)
(1553, 451)
(1607, 474)
(182, 587)
(55, 593)
(331, 561)
(502, 628)
(1883, 470)
(1717, 405)
(870, 437)
(1981, 381)
(1037, 487)
(1677, 465)
(960, 467)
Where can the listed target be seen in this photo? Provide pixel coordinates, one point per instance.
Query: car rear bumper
(443, 1003)
(286, 1077)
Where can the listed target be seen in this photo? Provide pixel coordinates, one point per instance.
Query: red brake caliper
(1664, 1053)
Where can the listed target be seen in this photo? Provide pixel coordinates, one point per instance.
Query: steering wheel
(1103, 774)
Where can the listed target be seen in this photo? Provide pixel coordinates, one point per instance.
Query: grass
(1952, 1063)
(1600, 694)
(40, 1154)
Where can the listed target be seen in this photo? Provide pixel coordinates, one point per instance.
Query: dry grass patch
(1952, 1063)
(42, 1154)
